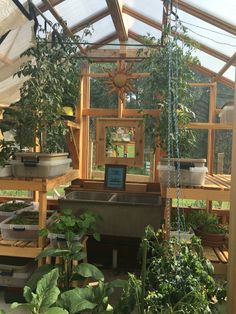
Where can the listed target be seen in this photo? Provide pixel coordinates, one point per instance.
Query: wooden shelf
(32, 248)
(212, 126)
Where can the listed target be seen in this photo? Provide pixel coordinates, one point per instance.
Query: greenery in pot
(202, 220)
(176, 278)
(13, 206)
(54, 75)
(7, 150)
(70, 225)
(168, 89)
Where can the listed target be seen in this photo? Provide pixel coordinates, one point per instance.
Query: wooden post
(211, 136)
(232, 223)
(84, 122)
(220, 163)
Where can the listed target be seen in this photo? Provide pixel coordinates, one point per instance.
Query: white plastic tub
(5, 214)
(22, 232)
(189, 177)
(226, 115)
(5, 171)
(33, 165)
(15, 271)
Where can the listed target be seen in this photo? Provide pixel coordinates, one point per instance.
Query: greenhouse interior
(117, 159)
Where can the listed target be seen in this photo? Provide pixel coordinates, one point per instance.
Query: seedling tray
(10, 208)
(23, 226)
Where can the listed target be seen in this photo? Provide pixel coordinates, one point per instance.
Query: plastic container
(5, 214)
(23, 232)
(189, 177)
(58, 240)
(5, 171)
(33, 165)
(185, 163)
(226, 115)
(15, 271)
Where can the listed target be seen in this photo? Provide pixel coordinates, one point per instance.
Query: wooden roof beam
(43, 7)
(212, 74)
(225, 68)
(62, 23)
(115, 8)
(158, 26)
(207, 17)
(90, 20)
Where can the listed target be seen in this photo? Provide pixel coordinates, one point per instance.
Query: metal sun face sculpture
(120, 80)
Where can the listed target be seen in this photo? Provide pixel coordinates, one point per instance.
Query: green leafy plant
(74, 226)
(206, 222)
(7, 150)
(168, 89)
(12, 206)
(54, 78)
(43, 299)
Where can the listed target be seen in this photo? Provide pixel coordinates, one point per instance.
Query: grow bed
(10, 208)
(23, 225)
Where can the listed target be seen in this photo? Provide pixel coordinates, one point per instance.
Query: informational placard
(115, 176)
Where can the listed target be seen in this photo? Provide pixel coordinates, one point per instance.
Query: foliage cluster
(54, 79)
(205, 221)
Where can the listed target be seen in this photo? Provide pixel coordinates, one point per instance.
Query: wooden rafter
(43, 7)
(212, 74)
(103, 41)
(90, 20)
(62, 23)
(207, 17)
(158, 26)
(225, 68)
(115, 8)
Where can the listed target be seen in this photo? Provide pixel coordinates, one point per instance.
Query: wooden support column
(84, 122)
(211, 136)
(232, 223)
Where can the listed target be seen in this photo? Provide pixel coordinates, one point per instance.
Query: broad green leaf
(37, 275)
(89, 271)
(28, 294)
(78, 299)
(47, 289)
(56, 310)
(52, 252)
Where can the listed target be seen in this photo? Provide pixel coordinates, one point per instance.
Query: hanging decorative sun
(120, 80)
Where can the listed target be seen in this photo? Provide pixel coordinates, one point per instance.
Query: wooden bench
(219, 258)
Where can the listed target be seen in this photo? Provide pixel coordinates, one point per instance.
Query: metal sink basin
(89, 196)
(135, 199)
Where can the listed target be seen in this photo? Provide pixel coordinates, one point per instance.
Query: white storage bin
(226, 115)
(189, 177)
(5, 171)
(5, 214)
(184, 162)
(15, 271)
(31, 165)
(58, 240)
(22, 232)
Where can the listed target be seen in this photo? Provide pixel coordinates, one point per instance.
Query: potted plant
(66, 226)
(7, 150)
(168, 89)
(54, 74)
(207, 227)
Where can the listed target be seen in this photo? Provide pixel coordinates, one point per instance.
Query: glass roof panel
(208, 61)
(36, 2)
(73, 11)
(208, 34)
(149, 8)
(141, 28)
(230, 73)
(100, 29)
(225, 10)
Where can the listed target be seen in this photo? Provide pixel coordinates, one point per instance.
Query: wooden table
(32, 248)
